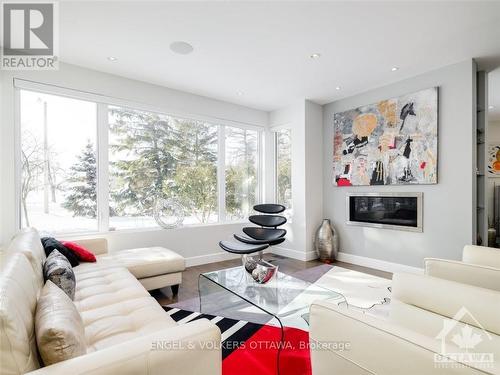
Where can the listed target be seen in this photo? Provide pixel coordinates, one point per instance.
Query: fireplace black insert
(385, 210)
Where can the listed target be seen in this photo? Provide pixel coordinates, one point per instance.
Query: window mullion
(260, 168)
(18, 158)
(221, 173)
(275, 165)
(102, 168)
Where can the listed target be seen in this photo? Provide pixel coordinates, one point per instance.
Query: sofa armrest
(482, 255)
(349, 342)
(466, 273)
(189, 349)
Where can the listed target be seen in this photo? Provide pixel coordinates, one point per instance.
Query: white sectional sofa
(428, 320)
(126, 330)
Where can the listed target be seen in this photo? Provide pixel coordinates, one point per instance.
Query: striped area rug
(250, 348)
(234, 332)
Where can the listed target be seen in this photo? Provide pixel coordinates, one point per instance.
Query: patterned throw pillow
(58, 270)
(50, 244)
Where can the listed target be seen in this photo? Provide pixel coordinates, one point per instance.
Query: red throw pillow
(82, 253)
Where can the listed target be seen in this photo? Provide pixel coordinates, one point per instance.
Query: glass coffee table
(283, 302)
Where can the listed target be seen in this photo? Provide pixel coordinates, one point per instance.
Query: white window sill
(67, 235)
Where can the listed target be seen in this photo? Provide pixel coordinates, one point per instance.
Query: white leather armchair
(480, 266)
(482, 255)
(410, 338)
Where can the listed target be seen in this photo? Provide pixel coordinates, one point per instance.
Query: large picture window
(67, 186)
(242, 156)
(58, 160)
(154, 156)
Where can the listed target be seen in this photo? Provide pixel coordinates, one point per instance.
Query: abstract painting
(494, 160)
(392, 142)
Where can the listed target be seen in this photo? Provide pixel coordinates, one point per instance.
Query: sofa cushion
(112, 324)
(27, 241)
(19, 289)
(147, 261)
(58, 325)
(50, 244)
(103, 286)
(58, 270)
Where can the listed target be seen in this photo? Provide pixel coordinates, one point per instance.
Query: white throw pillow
(58, 325)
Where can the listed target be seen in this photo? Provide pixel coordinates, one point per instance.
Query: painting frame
(493, 162)
(393, 141)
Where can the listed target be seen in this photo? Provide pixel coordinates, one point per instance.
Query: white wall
(304, 118)
(313, 173)
(188, 241)
(448, 215)
(2, 157)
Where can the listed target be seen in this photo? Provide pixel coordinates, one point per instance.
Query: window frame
(275, 130)
(102, 145)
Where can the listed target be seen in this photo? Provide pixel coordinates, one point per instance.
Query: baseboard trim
(210, 258)
(294, 254)
(378, 264)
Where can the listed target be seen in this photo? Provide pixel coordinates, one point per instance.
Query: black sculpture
(257, 239)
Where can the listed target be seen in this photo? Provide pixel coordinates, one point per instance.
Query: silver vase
(492, 237)
(326, 242)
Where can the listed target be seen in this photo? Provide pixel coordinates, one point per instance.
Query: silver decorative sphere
(250, 263)
(264, 271)
(168, 213)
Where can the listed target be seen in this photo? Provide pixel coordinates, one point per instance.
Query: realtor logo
(29, 35)
(459, 343)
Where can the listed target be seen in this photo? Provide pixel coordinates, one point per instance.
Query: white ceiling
(494, 95)
(262, 49)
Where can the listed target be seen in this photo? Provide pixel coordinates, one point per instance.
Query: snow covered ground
(59, 220)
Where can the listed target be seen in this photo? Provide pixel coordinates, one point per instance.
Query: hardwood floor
(189, 287)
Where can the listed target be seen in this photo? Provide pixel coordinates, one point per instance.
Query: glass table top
(282, 296)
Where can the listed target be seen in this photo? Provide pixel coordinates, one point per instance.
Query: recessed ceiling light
(394, 68)
(491, 107)
(315, 56)
(338, 88)
(112, 58)
(239, 93)
(182, 48)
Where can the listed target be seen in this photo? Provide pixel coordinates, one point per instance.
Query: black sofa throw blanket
(58, 270)
(50, 244)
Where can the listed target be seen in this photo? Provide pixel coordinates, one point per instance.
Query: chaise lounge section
(154, 267)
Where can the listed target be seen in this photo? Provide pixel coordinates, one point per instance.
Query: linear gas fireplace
(401, 211)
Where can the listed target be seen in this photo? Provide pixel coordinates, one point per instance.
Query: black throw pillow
(58, 270)
(50, 244)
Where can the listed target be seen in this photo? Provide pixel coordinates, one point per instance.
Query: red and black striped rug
(249, 348)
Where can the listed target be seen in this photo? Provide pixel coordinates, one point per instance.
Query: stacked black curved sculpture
(257, 239)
